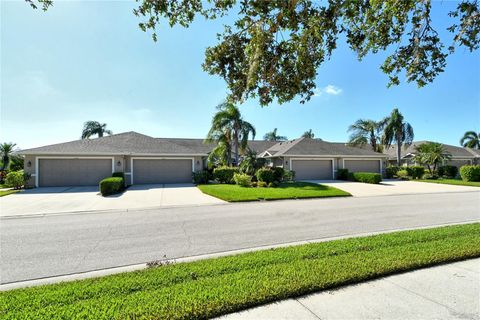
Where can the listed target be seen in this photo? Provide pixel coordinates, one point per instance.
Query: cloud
(329, 89)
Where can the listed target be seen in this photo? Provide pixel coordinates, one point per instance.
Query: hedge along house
(315, 159)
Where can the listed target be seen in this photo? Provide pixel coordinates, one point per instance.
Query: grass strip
(213, 287)
(287, 190)
(7, 192)
(456, 182)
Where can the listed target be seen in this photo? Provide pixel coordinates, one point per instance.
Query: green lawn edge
(4, 193)
(289, 190)
(213, 287)
(455, 182)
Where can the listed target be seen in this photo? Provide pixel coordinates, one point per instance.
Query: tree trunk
(236, 147)
(399, 152)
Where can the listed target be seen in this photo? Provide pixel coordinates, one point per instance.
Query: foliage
(7, 192)
(265, 175)
(250, 163)
(342, 174)
(119, 175)
(111, 185)
(260, 184)
(470, 172)
(209, 288)
(416, 172)
(16, 163)
(402, 174)
(431, 154)
(288, 175)
(397, 131)
(6, 151)
(242, 179)
(308, 134)
(471, 139)
(91, 128)
(456, 182)
(201, 177)
(16, 179)
(391, 171)
(429, 176)
(447, 171)
(278, 173)
(225, 174)
(367, 177)
(366, 132)
(272, 136)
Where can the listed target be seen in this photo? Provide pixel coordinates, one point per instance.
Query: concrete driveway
(77, 199)
(394, 187)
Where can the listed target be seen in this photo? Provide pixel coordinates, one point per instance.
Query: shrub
(111, 185)
(118, 175)
(16, 179)
(342, 174)
(225, 174)
(278, 173)
(470, 172)
(430, 176)
(402, 174)
(448, 171)
(416, 172)
(254, 184)
(391, 171)
(265, 175)
(242, 179)
(288, 175)
(200, 177)
(261, 184)
(367, 177)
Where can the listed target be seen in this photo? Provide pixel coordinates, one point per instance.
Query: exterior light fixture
(119, 163)
(29, 163)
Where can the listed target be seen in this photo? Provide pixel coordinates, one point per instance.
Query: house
(460, 156)
(147, 160)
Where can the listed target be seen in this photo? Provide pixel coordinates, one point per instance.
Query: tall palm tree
(365, 131)
(222, 153)
(308, 134)
(228, 121)
(431, 154)
(397, 131)
(91, 128)
(272, 136)
(471, 139)
(6, 150)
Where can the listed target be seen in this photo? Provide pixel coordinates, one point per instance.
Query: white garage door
(363, 165)
(72, 172)
(152, 171)
(312, 169)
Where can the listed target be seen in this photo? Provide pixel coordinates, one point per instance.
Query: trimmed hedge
(470, 173)
(367, 177)
(342, 174)
(448, 171)
(288, 175)
(111, 185)
(200, 177)
(225, 174)
(391, 171)
(278, 173)
(416, 172)
(118, 175)
(265, 175)
(242, 179)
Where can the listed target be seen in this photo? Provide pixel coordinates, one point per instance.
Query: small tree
(6, 150)
(272, 136)
(91, 128)
(308, 134)
(431, 154)
(251, 163)
(397, 131)
(471, 139)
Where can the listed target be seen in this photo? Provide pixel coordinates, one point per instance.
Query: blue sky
(89, 61)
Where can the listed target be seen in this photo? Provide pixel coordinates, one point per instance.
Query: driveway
(393, 187)
(76, 199)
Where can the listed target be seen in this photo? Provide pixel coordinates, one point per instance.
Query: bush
(288, 175)
(254, 184)
(391, 171)
(448, 171)
(16, 179)
(118, 175)
(265, 175)
(225, 174)
(278, 173)
(416, 172)
(342, 174)
(111, 185)
(242, 179)
(367, 177)
(261, 184)
(402, 174)
(201, 177)
(470, 173)
(430, 176)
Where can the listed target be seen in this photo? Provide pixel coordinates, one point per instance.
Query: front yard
(286, 190)
(209, 288)
(456, 182)
(7, 192)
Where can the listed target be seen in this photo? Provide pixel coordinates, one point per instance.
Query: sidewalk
(449, 291)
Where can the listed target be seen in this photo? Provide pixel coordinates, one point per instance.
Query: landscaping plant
(16, 179)
(288, 175)
(225, 174)
(402, 174)
(391, 171)
(470, 173)
(242, 179)
(111, 185)
(278, 173)
(200, 177)
(367, 177)
(265, 175)
(342, 174)
(447, 171)
(431, 154)
(416, 172)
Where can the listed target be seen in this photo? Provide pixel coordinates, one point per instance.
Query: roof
(316, 147)
(455, 151)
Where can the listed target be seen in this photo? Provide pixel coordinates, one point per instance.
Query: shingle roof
(315, 147)
(411, 149)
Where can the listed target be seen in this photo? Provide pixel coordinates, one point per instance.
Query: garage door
(363, 165)
(312, 169)
(73, 172)
(150, 171)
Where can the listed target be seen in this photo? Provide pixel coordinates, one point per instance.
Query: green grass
(456, 182)
(218, 286)
(287, 190)
(7, 192)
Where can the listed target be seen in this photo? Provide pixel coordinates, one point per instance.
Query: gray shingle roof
(453, 150)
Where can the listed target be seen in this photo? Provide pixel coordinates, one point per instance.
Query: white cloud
(329, 89)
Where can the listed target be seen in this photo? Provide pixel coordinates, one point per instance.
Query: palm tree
(308, 134)
(272, 136)
(471, 139)
(365, 131)
(91, 128)
(228, 122)
(251, 163)
(397, 131)
(431, 154)
(6, 149)
(222, 153)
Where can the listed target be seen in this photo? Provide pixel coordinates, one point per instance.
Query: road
(36, 247)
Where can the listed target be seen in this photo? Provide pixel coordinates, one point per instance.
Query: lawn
(456, 182)
(7, 192)
(287, 190)
(213, 287)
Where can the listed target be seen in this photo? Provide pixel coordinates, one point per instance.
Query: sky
(88, 60)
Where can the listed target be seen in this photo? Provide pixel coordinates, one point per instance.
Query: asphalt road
(37, 247)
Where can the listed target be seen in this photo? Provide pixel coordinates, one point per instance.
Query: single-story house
(460, 155)
(147, 160)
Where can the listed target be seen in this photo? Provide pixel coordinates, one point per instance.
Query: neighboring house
(148, 160)
(314, 159)
(460, 155)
